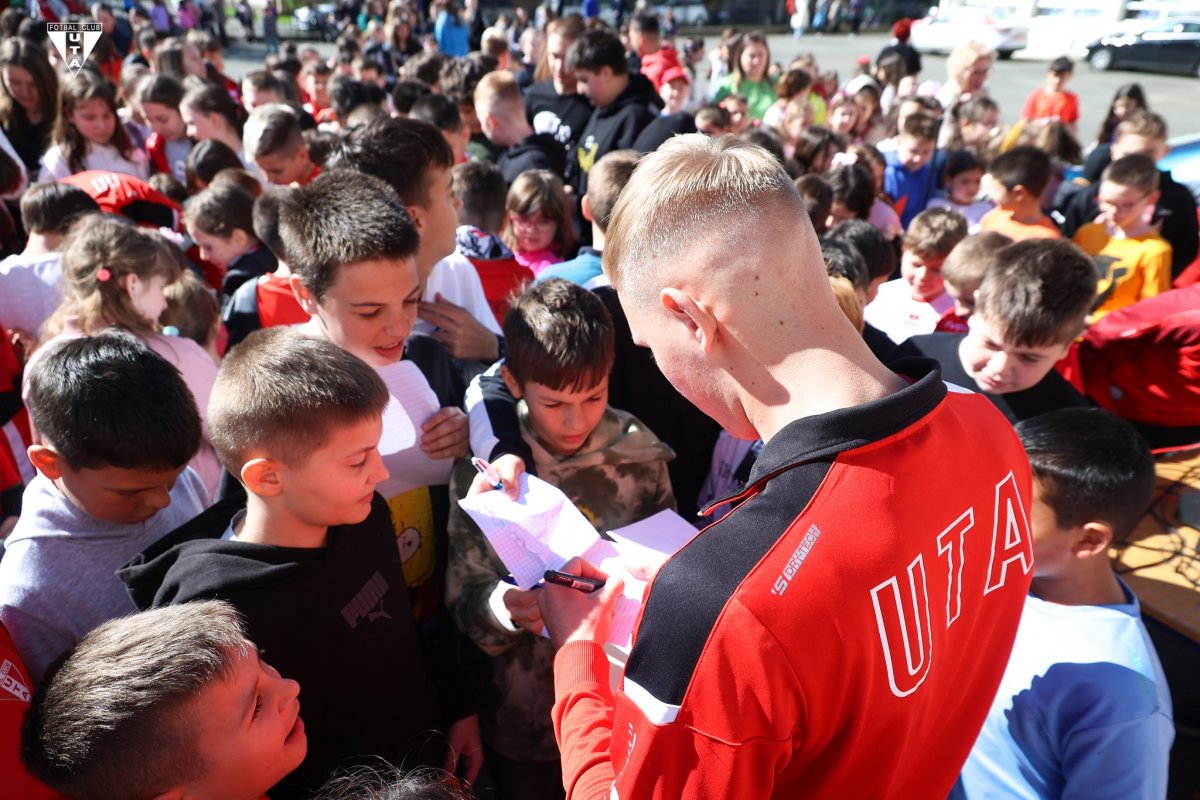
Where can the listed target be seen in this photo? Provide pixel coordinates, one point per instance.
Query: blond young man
(769, 660)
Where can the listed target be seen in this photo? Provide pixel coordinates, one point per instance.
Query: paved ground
(1177, 98)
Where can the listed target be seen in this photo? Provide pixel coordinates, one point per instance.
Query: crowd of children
(257, 327)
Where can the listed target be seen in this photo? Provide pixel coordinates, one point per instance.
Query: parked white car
(945, 29)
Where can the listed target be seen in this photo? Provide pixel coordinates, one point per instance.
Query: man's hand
(524, 609)
(572, 615)
(509, 469)
(464, 757)
(464, 336)
(445, 434)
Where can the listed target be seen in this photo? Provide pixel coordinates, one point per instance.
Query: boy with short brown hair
(273, 140)
(1017, 180)
(224, 723)
(908, 177)
(1132, 259)
(914, 304)
(963, 272)
(501, 112)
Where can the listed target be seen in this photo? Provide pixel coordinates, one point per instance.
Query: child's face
(843, 118)
(674, 95)
(601, 87)
(963, 297)
(737, 115)
(436, 222)
(563, 420)
(115, 494)
(165, 121)
(193, 64)
(147, 295)
(1055, 81)
(317, 89)
(1000, 195)
(248, 729)
(220, 251)
(978, 131)
(964, 187)
(253, 98)
(837, 213)
(335, 484)
(1124, 207)
(369, 309)
(999, 367)
(283, 168)
(94, 120)
(753, 61)
(533, 231)
(913, 153)
(201, 126)
(923, 273)
(1122, 107)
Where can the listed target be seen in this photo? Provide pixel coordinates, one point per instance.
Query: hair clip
(103, 274)
(170, 330)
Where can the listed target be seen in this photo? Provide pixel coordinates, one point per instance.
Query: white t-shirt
(29, 290)
(896, 313)
(103, 157)
(455, 279)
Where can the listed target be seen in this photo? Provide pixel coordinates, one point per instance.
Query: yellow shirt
(1130, 269)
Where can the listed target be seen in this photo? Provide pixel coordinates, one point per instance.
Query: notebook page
(411, 401)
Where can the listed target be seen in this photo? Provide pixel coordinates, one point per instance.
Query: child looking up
(87, 135)
(1017, 180)
(1133, 259)
(220, 220)
(1052, 101)
(113, 277)
(963, 272)
(909, 177)
(168, 145)
(914, 304)
(118, 426)
(275, 143)
(297, 420)
(225, 724)
(1030, 307)
(962, 176)
(538, 228)
(1083, 709)
(560, 348)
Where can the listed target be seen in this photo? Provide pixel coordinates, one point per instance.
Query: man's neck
(40, 244)
(268, 522)
(772, 402)
(1094, 586)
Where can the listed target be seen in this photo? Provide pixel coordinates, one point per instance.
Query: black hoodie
(615, 127)
(337, 619)
(563, 116)
(536, 151)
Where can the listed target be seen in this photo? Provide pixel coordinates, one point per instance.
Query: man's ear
(586, 209)
(303, 296)
(510, 381)
(48, 462)
(692, 314)
(1092, 539)
(417, 213)
(261, 476)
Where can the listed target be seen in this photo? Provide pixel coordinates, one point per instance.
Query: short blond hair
(494, 42)
(692, 188)
(964, 57)
(497, 88)
(968, 261)
(935, 232)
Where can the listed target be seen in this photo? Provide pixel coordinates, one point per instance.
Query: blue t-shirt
(1082, 711)
(451, 34)
(580, 269)
(916, 187)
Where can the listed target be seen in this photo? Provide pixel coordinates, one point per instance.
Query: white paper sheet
(543, 530)
(411, 402)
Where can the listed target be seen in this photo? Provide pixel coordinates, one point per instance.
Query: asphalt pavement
(1176, 98)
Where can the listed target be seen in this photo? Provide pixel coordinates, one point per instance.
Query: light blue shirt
(1083, 710)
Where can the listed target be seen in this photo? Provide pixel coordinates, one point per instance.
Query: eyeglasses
(527, 223)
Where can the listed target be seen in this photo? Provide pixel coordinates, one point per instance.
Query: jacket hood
(639, 91)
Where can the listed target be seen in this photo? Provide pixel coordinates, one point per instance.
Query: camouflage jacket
(619, 476)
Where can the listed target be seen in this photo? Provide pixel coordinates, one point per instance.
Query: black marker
(576, 582)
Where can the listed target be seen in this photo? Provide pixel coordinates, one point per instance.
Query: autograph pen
(485, 469)
(576, 582)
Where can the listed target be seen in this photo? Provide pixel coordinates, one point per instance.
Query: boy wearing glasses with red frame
(1132, 259)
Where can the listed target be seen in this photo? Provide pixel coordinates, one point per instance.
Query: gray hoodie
(57, 577)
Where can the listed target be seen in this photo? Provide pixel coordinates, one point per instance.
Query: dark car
(1170, 45)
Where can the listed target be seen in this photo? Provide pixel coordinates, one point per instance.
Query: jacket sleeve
(495, 429)
(473, 573)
